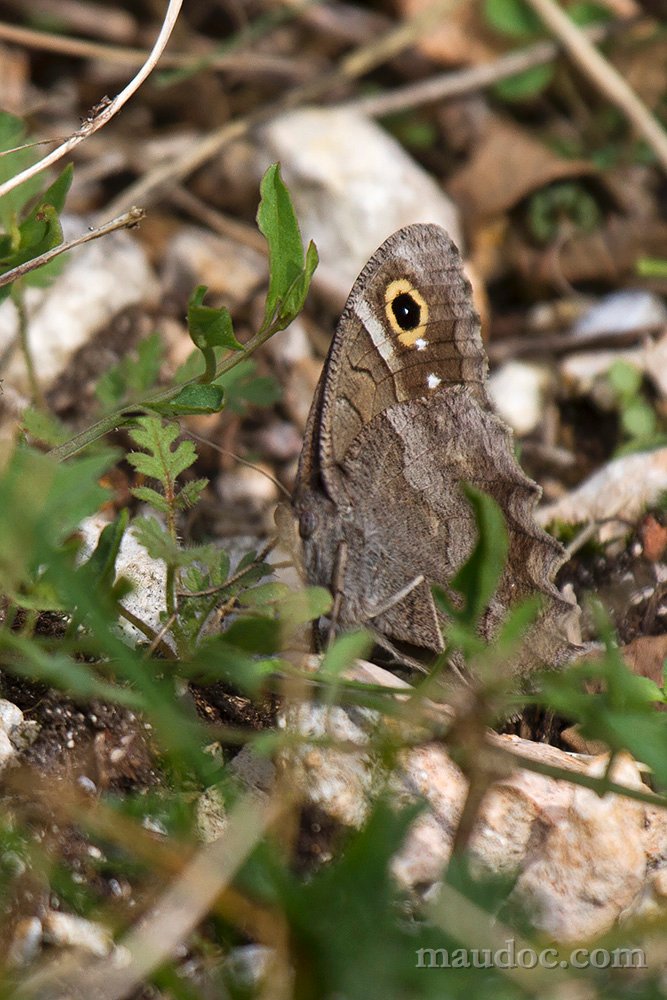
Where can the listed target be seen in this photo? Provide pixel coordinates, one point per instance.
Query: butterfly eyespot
(307, 523)
(407, 312)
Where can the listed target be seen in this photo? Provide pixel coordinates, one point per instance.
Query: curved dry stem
(106, 110)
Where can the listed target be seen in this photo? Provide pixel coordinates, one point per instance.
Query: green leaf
(190, 493)
(344, 651)
(296, 294)
(478, 578)
(160, 460)
(12, 135)
(625, 379)
(513, 17)
(56, 194)
(301, 606)
(42, 503)
(156, 540)
(639, 419)
(265, 595)
(152, 497)
(193, 399)
(210, 328)
(40, 232)
(254, 635)
(289, 269)
(586, 13)
(525, 86)
(58, 670)
(44, 427)
(103, 559)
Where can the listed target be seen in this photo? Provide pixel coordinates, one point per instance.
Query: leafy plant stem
(126, 414)
(35, 389)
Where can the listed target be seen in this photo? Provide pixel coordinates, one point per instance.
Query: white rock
(211, 815)
(622, 489)
(99, 280)
(256, 772)
(591, 864)
(338, 782)
(147, 576)
(622, 312)
(26, 942)
(196, 256)
(69, 931)
(519, 391)
(352, 185)
(11, 716)
(7, 750)
(248, 965)
(581, 859)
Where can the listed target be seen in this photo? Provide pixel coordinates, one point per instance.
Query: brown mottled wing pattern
(367, 369)
(400, 419)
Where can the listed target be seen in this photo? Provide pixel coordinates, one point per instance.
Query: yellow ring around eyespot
(408, 338)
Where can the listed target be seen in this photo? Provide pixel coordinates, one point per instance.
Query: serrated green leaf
(190, 493)
(160, 460)
(152, 497)
(155, 539)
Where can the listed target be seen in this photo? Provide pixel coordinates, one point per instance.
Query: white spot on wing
(433, 381)
(421, 344)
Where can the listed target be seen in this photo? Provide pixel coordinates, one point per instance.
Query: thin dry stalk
(608, 80)
(101, 115)
(126, 221)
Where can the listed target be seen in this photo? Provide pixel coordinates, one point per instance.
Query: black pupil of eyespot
(406, 311)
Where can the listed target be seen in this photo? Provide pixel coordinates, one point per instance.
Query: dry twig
(603, 74)
(359, 62)
(106, 110)
(126, 221)
(464, 81)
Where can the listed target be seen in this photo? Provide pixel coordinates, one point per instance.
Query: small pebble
(65, 930)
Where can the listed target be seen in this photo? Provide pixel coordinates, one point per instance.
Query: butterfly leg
(337, 589)
(374, 611)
